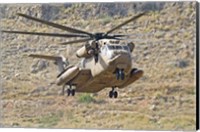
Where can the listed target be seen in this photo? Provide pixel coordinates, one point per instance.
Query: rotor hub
(98, 36)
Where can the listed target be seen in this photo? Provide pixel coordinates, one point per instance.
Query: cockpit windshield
(118, 47)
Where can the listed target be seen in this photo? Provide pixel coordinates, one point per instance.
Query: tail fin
(60, 61)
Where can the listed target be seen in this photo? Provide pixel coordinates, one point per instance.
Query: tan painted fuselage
(95, 76)
(92, 76)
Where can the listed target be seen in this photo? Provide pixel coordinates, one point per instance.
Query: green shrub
(106, 20)
(86, 98)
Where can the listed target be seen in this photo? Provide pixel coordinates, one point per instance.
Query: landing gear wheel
(111, 94)
(115, 94)
(73, 92)
(120, 74)
(68, 92)
(117, 74)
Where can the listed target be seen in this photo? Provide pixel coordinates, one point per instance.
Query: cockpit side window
(126, 48)
(111, 47)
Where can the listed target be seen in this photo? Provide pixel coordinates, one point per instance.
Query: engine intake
(87, 50)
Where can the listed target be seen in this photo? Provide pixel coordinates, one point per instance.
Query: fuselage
(111, 57)
(113, 69)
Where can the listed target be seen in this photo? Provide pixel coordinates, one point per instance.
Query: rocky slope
(163, 99)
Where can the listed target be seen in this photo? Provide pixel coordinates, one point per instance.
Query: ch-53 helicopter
(106, 61)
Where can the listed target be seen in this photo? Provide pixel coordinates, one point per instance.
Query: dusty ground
(163, 99)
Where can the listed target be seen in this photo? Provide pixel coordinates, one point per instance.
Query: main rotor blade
(45, 34)
(112, 37)
(124, 23)
(47, 57)
(75, 41)
(69, 29)
(119, 35)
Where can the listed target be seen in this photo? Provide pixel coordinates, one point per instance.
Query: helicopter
(106, 60)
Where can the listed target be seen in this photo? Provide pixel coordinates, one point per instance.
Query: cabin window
(111, 47)
(126, 48)
(118, 47)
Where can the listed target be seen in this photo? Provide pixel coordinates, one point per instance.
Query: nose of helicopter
(121, 61)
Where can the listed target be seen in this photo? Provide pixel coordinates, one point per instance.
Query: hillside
(163, 99)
